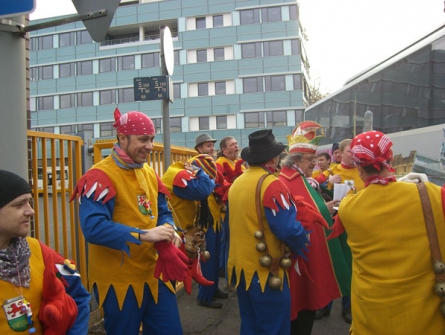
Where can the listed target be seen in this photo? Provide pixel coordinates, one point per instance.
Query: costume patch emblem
(15, 312)
(145, 205)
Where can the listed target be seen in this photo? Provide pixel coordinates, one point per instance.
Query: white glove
(414, 177)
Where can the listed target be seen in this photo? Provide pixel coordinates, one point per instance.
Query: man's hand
(335, 179)
(160, 233)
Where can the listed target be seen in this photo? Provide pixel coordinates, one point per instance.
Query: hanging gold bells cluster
(439, 287)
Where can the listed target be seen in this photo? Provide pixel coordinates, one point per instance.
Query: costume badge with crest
(16, 315)
(145, 205)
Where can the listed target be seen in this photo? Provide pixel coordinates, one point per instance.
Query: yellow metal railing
(55, 167)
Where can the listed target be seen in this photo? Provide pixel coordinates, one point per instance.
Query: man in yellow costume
(393, 278)
(132, 238)
(262, 227)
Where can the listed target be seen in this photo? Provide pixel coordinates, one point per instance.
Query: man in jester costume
(40, 292)
(133, 252)
(395, 288)
(263, 230)
(323, 274)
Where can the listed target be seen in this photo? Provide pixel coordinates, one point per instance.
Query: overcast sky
(344, 36)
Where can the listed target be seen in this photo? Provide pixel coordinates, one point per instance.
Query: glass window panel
(275, 83)
(254, 120)
(176, 91)
(273, 48)
(218, 53)
(66, 100)
(158, 125)
(67, 130)
(221, 122)
(46, 103)
(204, 123)
(175, 125)
(126, 94)
(46, 42)
(66, 39)
(220, 87)
(299, 116)
(107, 97)
(295, 45)
(126, 62)
(150, 60)
(201, 56)
(203, 89)
(200, 22)
(252, 85)
(250, 16)
(34, 73)
(176, 56)
(107, 129)
(46, 72)
(66, 70)
(85, 99)
(87, 128)
(83, 37)
(218, 21)
(251, 50)
(297, 82)
(275, 119)
(293, 12)
(85, 67)
(107, 65)
(271, 14)
(34, 43)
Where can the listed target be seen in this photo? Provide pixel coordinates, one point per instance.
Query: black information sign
(152, 88)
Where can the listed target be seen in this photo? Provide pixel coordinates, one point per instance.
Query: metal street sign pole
(165, 108)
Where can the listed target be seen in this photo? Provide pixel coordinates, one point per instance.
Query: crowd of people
(262, 217)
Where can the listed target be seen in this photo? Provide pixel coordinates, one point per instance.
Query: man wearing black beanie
(33, 296)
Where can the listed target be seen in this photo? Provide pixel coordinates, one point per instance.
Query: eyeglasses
(310, 159)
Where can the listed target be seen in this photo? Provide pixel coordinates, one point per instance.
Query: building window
(34, 73)
(275, 83)
(250, 16)
(221, 122)
(158, 125)
(68, 130)
(107, 97)
(254, 120)
(251, 50)
(45, 129)
(218, 54)
(204, 123)
(126, 94)
(176, 91)
(45, 42)
(175, 125)
(34, 43)
(295, 45)
(45, 103)
(66, 39)
(218, 21)
(271, 14)
(150, 60)
(85, 67)
(203, 89)
(46, 72)
(107, 65)
(293, 12)
(273, 48)
(297, 82)
(126, 62)
(107, 129)
(201, 56)
(83, 37)
(87, 129)
(220, 87)
(200, 23)
(276, 119)
(299, 116)
(253, 85)
(84, 99)
(67, 100)
(66, 70)
(176, 56)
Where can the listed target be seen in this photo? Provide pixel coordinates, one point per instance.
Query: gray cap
(204, 138)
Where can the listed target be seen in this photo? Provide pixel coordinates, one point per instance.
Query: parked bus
(60, 178)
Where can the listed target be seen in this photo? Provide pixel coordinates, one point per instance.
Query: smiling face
(346, 156)
(307, 164)
(15, 219)
(207, 148)
(137, 147)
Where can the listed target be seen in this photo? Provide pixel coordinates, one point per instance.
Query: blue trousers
(157, 319)
(210, 268)
(265, 313)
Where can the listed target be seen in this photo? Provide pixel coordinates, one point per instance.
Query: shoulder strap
(258, 201)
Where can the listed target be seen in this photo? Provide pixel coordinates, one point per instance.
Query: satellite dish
(97, 27)
(167, 49)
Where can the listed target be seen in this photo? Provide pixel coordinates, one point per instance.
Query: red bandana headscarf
(372, 148)
(133, 123)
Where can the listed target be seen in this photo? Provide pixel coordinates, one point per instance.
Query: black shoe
(322, 313)
(220, 294)
(212, 304)
(347, 316)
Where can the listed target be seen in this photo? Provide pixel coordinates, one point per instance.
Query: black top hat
(203, 138)
(262, 147)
